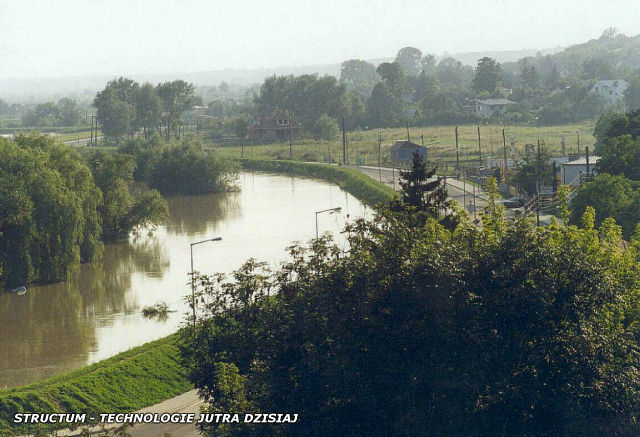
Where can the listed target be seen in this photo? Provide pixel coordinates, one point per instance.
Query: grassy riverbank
(356, 183)
(131, 380)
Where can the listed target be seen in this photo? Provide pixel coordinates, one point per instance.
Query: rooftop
(495, 102)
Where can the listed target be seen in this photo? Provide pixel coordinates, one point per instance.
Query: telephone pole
(457, 155)
(290, 144)
(479, 150)
(344, 143)
(538, 190)
(504, 150)
(380, 157)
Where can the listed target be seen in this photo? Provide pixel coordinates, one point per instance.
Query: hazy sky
(41, 38)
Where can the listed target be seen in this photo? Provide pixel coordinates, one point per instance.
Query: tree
(486, 332)
(383, 106)
(488, 75)
(532, 169)
(48, 211)
(393, 76)
(325, 128)
(632, 93)
(148, 109)
(609, 196)
(69, 112)
(419, 191)
(359, 76)
(410, 59)
(177, 97)
(116, 118)
(241, 125)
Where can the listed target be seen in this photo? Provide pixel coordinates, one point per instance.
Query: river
(97, 314)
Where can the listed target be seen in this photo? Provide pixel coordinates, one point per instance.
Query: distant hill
(620, 49)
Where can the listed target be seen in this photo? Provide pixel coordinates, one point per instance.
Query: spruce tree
(419, 191)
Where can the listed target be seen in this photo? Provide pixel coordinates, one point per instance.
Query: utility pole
(538, 190)
(380, 157)
(479, 151)
(344, 143)
(457, 155)
(504, 150)
(91, 140)
(408, 138)
(578, 135)
(290, 143)
(587, 156)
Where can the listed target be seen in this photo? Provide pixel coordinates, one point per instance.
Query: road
(80, 142)
(188, 402)
(459, 191)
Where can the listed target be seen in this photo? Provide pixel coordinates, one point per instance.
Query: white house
(570, 170)
(491, 107)
(611, 90)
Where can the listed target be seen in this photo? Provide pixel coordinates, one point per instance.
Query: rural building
(275, 125)
(570, 170)
(402, 151)
(491, 107)
(611, 90)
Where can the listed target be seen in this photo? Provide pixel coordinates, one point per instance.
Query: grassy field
(137, 378)
(363, 145)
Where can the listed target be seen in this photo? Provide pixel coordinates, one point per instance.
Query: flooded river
(58, 327)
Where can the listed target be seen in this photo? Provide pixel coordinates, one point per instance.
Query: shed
(402, 151)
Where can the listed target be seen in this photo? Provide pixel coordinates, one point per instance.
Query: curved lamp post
(193, 289)
(330, 210)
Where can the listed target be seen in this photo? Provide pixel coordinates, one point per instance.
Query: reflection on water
(97, 313)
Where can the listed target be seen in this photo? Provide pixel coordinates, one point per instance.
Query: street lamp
(193, 288)
(330, 210)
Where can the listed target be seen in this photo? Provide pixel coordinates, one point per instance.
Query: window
(282, 122)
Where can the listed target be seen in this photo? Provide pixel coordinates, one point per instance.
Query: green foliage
(325, 128)
(515, 330)
(48, 220)
(137, 378)
(383, 106)
(609, 196)
(65, 113)
(532, 168)
(410, 59)
(185, 168)
(488, 75)
(419, 192)
(123, 211)
(124, 107)
(359, 76)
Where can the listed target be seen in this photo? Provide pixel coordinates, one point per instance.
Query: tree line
(124, 107)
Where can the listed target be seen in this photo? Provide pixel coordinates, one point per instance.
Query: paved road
(80, 142)
(458, 190)
(188, 402)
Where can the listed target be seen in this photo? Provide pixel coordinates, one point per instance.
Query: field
(363, 145)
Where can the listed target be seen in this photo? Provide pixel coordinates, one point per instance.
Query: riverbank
(354, 182)
(150, 373)
(131, 380)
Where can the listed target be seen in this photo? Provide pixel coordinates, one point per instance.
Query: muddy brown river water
(97, 314)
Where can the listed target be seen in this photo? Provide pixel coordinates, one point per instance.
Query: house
(491, 107)
(571, 170)
(611, 90)
(402, 151)
(275, 125)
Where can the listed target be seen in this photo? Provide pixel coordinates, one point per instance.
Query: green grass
(134, 379)
(353, 181)
(363, 145)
